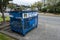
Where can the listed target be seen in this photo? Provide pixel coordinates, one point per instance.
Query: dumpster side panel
(16, 24)
(25, 24)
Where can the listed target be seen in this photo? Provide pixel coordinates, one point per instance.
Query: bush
(51, 10)
(58, 10)
(44, 9)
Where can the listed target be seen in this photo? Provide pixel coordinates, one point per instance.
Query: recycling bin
(23, 21)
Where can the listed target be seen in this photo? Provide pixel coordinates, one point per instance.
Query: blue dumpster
(23, 21)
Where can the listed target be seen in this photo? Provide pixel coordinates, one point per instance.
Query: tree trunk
(3, 17)
(2, 11)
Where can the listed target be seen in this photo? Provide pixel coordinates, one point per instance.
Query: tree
(54, 3)
(16, 7)
(37, 5)
(3, 4)
(33, 7)
(11, 6)
(58, 4)
(44, 2)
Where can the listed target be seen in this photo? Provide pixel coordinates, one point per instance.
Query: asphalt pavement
(48, 29)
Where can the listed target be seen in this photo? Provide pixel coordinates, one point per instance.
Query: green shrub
(51, 10)
(58, 10)
(44, 9)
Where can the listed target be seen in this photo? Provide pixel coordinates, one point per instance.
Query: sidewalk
(49, 14)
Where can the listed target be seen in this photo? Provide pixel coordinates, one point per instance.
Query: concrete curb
(48, 14)
(1, 27)
(9, 34)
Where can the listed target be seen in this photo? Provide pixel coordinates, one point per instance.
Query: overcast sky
(25, 2)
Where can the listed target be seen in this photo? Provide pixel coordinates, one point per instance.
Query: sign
(27, 15)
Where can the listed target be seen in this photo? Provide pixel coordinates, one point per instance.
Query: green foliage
(20, 8)
(44, 9)
(58, 9)
(11, 6)
(3, 4)
(33, 7)
(54, 9)
(53, 6)
(1, 19)
(15, 7)
(58, 4)
(36, 5)
(6, 18)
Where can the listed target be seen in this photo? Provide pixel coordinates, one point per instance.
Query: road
(48, 29)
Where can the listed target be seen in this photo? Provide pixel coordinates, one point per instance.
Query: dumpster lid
(23, 11)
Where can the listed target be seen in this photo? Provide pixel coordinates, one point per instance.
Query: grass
(6, 18)
(5, 37)
(1, 19)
